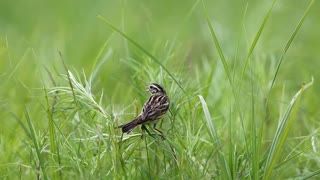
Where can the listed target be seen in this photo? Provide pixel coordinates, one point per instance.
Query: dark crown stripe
(157, 86)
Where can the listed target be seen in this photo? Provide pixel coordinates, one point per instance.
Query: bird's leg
(161, 134)
(144, 128)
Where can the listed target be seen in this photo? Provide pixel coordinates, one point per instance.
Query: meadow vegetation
(242, 77)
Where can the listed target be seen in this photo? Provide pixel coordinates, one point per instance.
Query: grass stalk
(288, 44)
(282, 131)
(156, 60)
(31, 131)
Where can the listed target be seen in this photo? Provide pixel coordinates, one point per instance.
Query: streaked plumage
(156, 106)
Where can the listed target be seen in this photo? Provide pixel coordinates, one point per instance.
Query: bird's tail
(126, 128)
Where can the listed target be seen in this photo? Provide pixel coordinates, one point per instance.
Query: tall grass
(227, 119)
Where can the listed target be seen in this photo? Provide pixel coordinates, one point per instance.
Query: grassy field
(242, 77)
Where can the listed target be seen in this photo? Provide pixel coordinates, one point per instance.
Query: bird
(153, 110)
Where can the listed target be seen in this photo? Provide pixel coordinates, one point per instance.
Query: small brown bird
(153, 109)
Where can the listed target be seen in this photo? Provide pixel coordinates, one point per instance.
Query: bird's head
(155, 88)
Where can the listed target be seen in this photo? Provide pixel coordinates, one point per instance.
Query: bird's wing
(156, 106)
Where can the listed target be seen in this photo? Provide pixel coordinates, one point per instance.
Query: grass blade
(214, 137)
(227, 70)
(35, 143)
(52, 134)
(51, 122)
(22, 125)
(282, 131)
(254, 42)
(293, 35)
(156, 60)
(103, 56)
(254, 136)
(308, 176)
(68, 75)
(217, 44)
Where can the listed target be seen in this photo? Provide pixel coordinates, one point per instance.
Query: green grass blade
(209, 81)
(52, 138)
(17, 66)
(254, 137)
(35, 143)
(156, 60)
(217, 44)
(227, 70)
(282, 131)
(68, 75)
(187, 17)
(308, 176)
(212, 130)
(293, 35)
(21, 124)
(215, 138)
(254, 42)
(98, 64)
(51, 123)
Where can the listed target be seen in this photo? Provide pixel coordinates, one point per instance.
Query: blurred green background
(33, 32)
